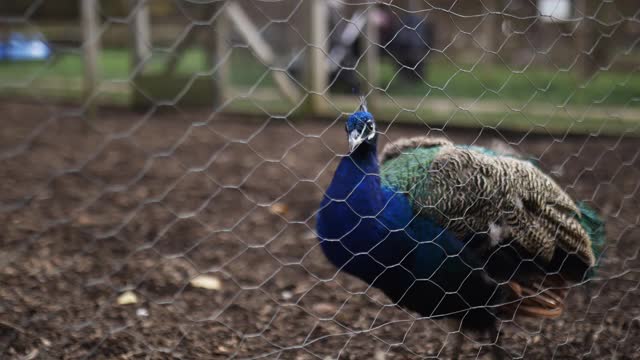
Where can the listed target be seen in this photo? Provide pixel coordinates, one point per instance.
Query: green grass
(497, 82)
(493, 85)
(445, 79)
(115, 65)
(61, 77)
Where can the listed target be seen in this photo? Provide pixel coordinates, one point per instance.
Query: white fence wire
(163, 164)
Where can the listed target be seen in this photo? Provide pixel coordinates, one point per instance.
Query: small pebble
(286, 295)
(142, 312)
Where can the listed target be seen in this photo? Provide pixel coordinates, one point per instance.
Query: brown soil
(145, 202)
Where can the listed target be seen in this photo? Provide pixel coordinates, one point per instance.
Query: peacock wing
(404, 145)
(470, 192)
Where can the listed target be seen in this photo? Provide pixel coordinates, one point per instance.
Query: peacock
(453, 231)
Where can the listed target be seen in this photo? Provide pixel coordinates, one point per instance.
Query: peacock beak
(355, 138)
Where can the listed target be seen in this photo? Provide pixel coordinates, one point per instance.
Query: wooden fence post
(90, 50)
(317, 65)
(492, 29)
(261, 48)
(213, 54)
(222, 38)
(140, 32)
(593, 36)
(372, 57)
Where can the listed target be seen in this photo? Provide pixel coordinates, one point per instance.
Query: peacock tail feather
(594, 226)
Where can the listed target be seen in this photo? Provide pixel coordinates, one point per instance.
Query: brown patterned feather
(470, 192)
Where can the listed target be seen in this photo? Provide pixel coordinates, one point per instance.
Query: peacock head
(360, 127)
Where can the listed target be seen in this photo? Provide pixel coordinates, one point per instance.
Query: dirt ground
(90, 209)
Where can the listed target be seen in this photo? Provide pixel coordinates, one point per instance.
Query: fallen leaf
(206, 282)
(127, 297)
(279, 209)
(84, 219)
(32, 355)
(380, 355)
(536, 339)
(324, 309)
(142, 192)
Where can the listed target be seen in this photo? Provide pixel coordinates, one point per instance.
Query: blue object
(373, 231)
(23, 48)
(369, 230)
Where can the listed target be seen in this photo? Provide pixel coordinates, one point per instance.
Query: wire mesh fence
(164, 162)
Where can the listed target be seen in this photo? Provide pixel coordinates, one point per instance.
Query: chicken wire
(176, 232)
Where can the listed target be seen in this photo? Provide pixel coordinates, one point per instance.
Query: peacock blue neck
(357, 180)
(360, 222)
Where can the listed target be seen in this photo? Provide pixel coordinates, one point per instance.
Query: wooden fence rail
(309, 96)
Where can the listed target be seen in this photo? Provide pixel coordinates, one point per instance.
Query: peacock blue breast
(369, 229)
(364, 241)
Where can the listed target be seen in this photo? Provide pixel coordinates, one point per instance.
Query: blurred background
(163, 160)
(420, 60)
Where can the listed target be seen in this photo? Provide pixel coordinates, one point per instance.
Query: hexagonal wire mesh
(186, 226)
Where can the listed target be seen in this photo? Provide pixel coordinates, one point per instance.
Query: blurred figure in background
(409, 39)
(406, 40)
